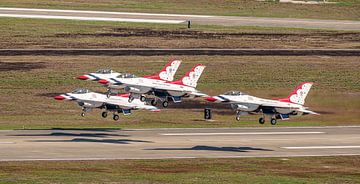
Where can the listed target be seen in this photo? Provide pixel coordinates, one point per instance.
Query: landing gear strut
(131, 98)
(153, 102)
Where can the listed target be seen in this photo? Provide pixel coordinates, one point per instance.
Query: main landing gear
(116, 117)
(262, 120)
(165, 103)
(273, 121)
(238, 114)
(104, 114)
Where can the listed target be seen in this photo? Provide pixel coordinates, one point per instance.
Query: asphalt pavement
(103, 143)
(180, 18)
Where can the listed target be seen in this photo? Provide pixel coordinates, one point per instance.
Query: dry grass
(26, 94)
(33, 33)
(250, 170)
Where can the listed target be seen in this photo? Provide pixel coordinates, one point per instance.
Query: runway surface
(178, 18)
(196, 51)
(98, 144)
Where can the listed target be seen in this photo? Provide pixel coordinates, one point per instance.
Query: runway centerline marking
(241, 133)
(321, 147)
(93, 18)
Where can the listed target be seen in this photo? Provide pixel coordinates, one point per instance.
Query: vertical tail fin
(168, 72)
(191, 78)
(299, 94)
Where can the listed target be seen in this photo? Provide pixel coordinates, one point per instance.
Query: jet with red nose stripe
(277, 108)
(155, 90)
(166, 74)
(116, 103)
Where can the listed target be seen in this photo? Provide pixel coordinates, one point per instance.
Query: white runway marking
(242, 133)
(104, 12)
(322, 147)
(93, 18)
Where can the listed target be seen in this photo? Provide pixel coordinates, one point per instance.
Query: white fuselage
(101, 76)
(250, 103)
(144, 85)
(95, 100)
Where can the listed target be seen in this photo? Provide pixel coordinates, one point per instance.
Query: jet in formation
(116, 104)
(277, 109)
(155, 89)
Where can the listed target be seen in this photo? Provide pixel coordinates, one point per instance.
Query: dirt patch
(25, 66)
(187, 33)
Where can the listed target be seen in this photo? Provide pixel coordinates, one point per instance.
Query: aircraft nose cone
(83, 77)
(59, 97)
(103, 81)
(210, 99)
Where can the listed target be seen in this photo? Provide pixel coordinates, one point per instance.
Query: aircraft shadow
(112, 141)
(213, 148)
(73, 134)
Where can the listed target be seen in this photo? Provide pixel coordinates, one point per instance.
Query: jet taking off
(166, 74)
(116, 104)
(160, 90)
(277, 109)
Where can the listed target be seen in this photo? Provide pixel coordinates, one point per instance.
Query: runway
(178, 18)
(102, 144)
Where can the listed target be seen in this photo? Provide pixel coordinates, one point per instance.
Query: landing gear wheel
(108, 94)
(165, 104)
(142, 98)
(153, 102)
(116, 117)
(83, 114)
(273, 121)
(261, 120)
(131, 98)
(237, 118)
(104, 114)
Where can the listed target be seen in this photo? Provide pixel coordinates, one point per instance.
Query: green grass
(335, 94)
(343, 9)
(35, 33)
(247, 170)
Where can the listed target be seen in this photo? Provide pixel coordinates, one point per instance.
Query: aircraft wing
(308, 112)
(199, 94)
(126, 105)
(270, 104)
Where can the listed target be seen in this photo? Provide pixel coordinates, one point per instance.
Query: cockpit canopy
(80, 91)
(126, 75)
(104, 71)
(234, 93)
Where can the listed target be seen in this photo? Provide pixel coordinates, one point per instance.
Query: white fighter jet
(277, 109)
(166, 74)
(115, 104)
(143, 88)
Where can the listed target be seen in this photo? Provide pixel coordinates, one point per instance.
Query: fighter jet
(166, 74)
(277, 108)
(88, 100)
(154, 90)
